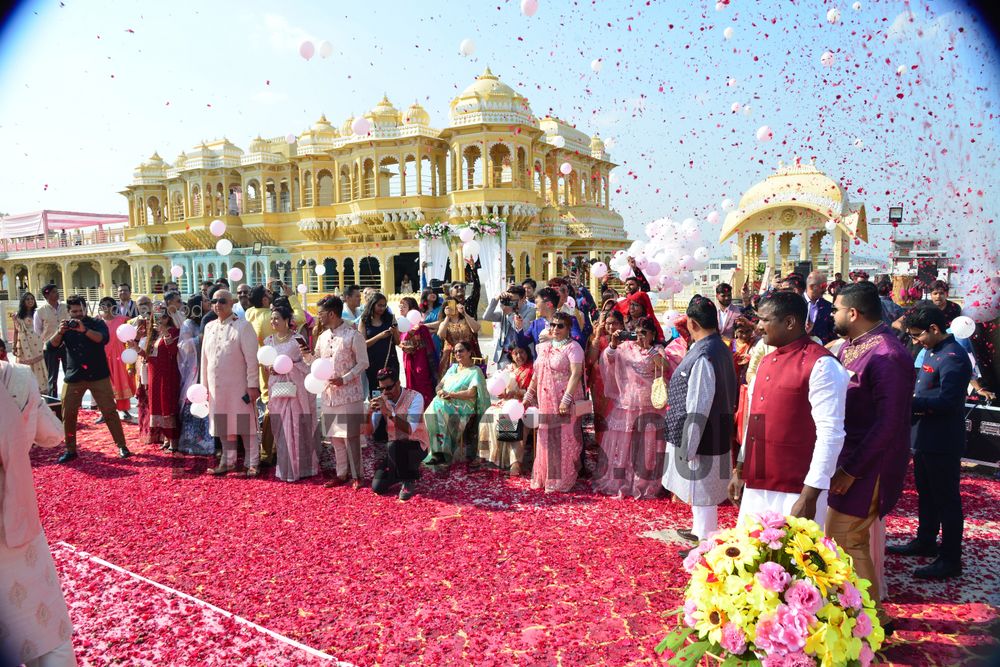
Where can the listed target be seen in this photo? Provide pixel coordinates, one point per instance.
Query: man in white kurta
(782, 320)
(229, 371)
(343, 400)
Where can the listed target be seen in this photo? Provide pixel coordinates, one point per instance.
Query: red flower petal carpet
(476, 569)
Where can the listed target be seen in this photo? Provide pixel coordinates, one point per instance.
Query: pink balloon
(513, 409)
(283, 364)
(307, 50)
(495, 385)
(414, 317)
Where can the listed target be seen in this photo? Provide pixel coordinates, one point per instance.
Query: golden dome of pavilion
(258, 145)
(384, 114)
(347, 129)
(488, 93)
(416, 115)
(322, 126)
(792, 179)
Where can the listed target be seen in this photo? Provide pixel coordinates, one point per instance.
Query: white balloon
(325, 50)
(217, 227)
(302, 289)
(727, 205)
(320, 269)
(126, 332)
(833, 15)
(322, 369)
(735, 108)
(558, 141)
(197, 393)
(176, 271)
(361, 126)
(963, 327)
(652, 269)
(414, 317)
(685, 262)
(701, 254)
(856, 6)
(764, 133)
(565, 169)
(746, 109)
(728, 33)
(470, 249)
(713, 218)
(199, 410)
(283, 364)
(495, 385)
(826, 59)
(466, 234)
(314, 385)
(403, 324)
(600, 269)
(830, 225)
(901, 70)
(531, 417)
(595, 65)
(467, 47)
(266, 355)
(529, 7)
(130, 356)
(224, 247)
(514, 409)
(235, 274)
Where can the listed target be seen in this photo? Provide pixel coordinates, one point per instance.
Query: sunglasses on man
(222, 301)
(557, 325)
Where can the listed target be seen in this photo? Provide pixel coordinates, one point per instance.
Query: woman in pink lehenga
(634, 442)
(420, 359)
(293, 412)
(556, 385)
(122, 383)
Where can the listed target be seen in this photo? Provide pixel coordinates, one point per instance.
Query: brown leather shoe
(252, 472)
(335, 482)
(357, 484)
(219, 471)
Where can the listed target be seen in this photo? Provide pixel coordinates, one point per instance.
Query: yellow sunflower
(710, 622)
(824, 567)
(732, 555)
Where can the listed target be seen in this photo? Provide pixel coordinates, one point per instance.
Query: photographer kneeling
(402, 411)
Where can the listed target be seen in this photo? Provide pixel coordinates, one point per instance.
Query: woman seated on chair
(461, 395)
(498, 441)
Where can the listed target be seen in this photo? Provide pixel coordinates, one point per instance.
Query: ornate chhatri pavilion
(352, 203)
(795, 203)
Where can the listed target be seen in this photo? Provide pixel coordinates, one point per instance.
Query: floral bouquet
(774, 592)
(490, 226)
(433, 230)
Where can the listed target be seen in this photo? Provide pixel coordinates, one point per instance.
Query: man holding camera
(82, 340)
(402, 411)
(512, 304)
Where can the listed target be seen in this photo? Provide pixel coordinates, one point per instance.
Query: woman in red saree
(122, 383)
(164, 385)
(610, 322)
(420, 359)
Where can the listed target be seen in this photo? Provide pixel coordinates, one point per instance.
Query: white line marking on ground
(302, 647)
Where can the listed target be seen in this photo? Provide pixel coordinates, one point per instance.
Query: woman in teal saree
(461, 394)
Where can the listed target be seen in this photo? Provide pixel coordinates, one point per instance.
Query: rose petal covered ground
(476, 569)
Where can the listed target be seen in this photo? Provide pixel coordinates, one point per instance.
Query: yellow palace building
(350, 202)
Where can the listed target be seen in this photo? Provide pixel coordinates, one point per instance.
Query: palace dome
(416, 115)
(384, 114)
(489, 94)
(795, 178)
(258, 145)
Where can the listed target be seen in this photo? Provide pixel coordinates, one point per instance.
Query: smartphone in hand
(246, 398)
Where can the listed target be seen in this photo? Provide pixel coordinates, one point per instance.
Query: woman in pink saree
(556, 386)
(292, 408)
(420, 359)
(634, 442)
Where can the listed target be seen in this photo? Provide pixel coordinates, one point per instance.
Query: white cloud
(908, 26)
(283, 36)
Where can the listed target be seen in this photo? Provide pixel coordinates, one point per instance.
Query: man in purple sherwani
(872, 465)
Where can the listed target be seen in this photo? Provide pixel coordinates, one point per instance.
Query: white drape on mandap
(435, 253)
(491, 256)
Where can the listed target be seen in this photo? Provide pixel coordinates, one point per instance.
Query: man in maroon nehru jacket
(795, 423)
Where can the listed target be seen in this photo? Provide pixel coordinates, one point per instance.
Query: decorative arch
(253, 196)
(155, 214)
(472, 167)
(368, 179)
(195, 201)
(389, 178)
(331, 278)
(307, 191)
(349, 277)
(369, 273)
(409, 175)
(324, 189)
(356, 182)
(345, 184)
(428, 176)
(219, 200)
(284, 197)
(501, 171)
(270, 196)
(156, 279)
(521, 175)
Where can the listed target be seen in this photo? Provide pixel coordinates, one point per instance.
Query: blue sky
(92, 88)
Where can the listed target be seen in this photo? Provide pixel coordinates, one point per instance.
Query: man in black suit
(937, 437)
(819, 320)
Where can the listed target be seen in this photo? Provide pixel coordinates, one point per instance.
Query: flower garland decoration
(487, 226)
(436, 230)
(774, 592)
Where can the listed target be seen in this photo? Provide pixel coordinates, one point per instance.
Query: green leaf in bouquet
(674, 640)
(690, 654)
(739, 661)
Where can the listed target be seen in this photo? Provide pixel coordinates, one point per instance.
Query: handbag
(659, 393)
(508, 430)
(283, 390)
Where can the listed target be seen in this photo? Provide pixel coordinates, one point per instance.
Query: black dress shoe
(683, 553)
(939, 569)
(912, 548)
(124, 453)
(686, 534)
(67, 456)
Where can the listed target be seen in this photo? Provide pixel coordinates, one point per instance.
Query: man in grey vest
(701, 404)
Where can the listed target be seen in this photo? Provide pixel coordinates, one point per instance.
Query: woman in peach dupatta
(33, 612)
(121, 381)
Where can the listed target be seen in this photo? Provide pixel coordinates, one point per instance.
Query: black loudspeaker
(804, 268)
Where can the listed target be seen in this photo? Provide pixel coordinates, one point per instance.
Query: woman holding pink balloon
(557, 390)
(420, 359)
(292, 408)
(122, 383)
(511, 385)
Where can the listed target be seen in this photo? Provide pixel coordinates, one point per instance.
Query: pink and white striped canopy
(42, 222)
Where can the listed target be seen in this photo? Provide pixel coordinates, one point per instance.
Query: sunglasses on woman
(557, 325)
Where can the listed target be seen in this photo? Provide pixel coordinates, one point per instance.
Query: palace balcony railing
(60, 241)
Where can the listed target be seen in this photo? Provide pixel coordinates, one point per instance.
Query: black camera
(628, 335)
(509, 303)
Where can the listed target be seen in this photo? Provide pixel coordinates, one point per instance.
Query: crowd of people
(807, 399)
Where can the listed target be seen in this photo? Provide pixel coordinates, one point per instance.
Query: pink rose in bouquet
(784, 631)
(773, 577)
(850, 596)
(733, 639)
(863, 625)
(804, 596)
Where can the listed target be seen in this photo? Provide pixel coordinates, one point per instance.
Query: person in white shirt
(243, 298)
(352, 304)
(795, 423)
(45, 322)
(402, 410)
